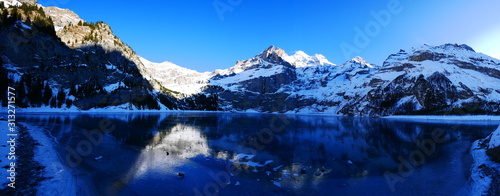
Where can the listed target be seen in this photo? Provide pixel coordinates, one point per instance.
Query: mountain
(50, 68)
(55, 59)
(447, 79)
(172, 79)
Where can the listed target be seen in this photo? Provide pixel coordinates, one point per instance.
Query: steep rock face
(46, 72)
(62, 17)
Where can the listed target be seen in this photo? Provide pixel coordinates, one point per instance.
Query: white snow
(243, 156)
(301, 59)
(11, 3)
(112, 87)
(450, 117)
(278, 167)
(61, 179)
(494, 139)
(277, 184)
(480, 181)
(175, 78)
(22, 25)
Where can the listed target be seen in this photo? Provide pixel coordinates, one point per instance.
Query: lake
(263, 154)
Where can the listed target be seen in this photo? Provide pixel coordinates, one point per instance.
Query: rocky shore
(486, 170)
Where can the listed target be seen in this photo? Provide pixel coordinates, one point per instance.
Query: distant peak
(272, 52)
(359, 62)
(300, 53)
(461, 46)
(449, 46)
(358, 59)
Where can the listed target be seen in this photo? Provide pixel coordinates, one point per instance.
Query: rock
(303, 170)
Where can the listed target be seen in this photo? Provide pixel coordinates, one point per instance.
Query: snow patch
(494, 139)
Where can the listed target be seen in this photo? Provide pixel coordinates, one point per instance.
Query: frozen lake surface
(263, 154)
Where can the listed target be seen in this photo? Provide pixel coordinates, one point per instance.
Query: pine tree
(61, 97)
(72, 90)
(47, 94)
(69, 102)
(35, 95)
(21, 94)
(53, 102)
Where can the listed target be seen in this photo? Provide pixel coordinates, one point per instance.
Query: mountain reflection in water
(264, 154)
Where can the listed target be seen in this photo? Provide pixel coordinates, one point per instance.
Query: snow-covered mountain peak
(9, 3)
(17, 2)
(322, 60)
(450, 49)
(301, 59)
(358, 62)
(182, 81)
(272, 54)
(300, 53)
(453, 47)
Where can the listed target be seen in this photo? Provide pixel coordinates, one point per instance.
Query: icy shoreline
(61, 180)
(118, 109)
(484, 171)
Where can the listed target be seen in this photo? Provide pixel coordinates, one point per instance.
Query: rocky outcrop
(486, 168)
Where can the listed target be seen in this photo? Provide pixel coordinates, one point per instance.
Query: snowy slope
(185, 81)
(8, 3)
(432, 79)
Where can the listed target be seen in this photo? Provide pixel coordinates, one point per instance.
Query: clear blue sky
(193, 34)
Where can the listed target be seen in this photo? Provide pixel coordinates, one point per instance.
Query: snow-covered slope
(175, 78)
(446, 79)
(434, 79)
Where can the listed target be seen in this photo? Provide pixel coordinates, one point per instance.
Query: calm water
(263, 154)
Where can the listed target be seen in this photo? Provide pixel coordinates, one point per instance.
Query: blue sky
(204, 37)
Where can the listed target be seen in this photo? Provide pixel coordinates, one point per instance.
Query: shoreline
(426, 118)
(485, 173)
(60, 179)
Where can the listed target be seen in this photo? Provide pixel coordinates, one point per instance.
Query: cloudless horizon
(209, 35)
